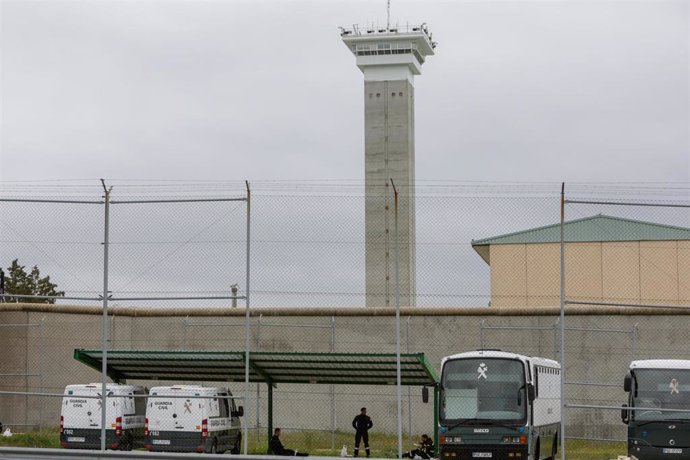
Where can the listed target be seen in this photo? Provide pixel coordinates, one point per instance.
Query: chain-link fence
(184, 259)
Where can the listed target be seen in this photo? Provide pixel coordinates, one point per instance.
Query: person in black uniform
(278, 449)
(425, 449)
(361, 424)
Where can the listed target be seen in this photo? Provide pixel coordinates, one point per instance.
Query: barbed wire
(131, 187)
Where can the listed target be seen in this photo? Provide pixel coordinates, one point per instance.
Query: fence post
(41, 370)
(409, 390)
(247, 332)
(104, 339)
(562, 318)
(397, 327)
(333, 414)
(258, 385)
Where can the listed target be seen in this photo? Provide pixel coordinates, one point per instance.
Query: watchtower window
(370, 49)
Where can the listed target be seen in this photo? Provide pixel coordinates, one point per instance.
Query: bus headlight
(514, 440)
(451, 439)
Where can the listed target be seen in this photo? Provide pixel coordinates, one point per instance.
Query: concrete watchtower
(389, 58)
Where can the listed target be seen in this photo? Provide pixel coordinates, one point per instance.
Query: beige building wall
(542, 279)
(508, 275)
(684, 271)
(639, 272)
(621, 271)
(659, 281)
(584, 271)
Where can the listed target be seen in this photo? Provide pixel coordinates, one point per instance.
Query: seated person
(277, 447)
(424, 450)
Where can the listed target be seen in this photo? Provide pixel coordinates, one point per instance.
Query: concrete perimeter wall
(600, 343)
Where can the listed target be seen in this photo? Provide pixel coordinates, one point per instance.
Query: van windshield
(484, 390)
(658, 389)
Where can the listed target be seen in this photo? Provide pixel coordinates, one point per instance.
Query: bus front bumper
(476, 451)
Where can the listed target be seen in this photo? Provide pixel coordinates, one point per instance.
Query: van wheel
(554, 447)
(238, 443)
(537, 450)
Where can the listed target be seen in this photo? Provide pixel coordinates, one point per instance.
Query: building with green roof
(608, 259)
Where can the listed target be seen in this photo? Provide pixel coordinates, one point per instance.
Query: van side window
(224, 407)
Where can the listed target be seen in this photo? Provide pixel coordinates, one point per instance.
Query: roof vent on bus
(489, 349)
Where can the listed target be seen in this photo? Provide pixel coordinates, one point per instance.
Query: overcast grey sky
(142, 91)
(225, 90)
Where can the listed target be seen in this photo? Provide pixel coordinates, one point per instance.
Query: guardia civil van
(190, 418)
(80, 416)
(499, 405)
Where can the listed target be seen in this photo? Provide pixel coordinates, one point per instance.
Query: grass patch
(577, 449)
(386, 446)
(327, 445)
(42, 438)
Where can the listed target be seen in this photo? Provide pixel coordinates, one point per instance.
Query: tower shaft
(389, 59)
(389, 155)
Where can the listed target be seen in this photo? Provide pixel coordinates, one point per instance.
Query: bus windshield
(484, 390)
(658, 389)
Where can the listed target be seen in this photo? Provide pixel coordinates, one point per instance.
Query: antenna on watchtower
(388, 14)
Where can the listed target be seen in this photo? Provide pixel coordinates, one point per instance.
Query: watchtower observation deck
(393, 53)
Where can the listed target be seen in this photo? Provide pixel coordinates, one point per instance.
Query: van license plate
(482, 455)
(162, 442)
(76, 439)
(672, 451)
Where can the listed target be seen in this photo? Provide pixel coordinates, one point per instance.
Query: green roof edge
(487, 241)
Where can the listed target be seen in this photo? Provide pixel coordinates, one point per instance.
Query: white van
(80, 417)
(190, 418)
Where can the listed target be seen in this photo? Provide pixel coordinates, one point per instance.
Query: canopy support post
(270, 416)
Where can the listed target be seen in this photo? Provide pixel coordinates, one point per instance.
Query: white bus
(499, 405)
(659, 415)
(80, 416)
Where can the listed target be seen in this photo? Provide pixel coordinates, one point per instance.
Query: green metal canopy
(265, 367)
